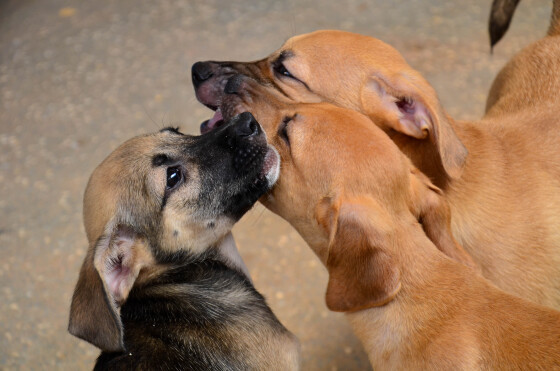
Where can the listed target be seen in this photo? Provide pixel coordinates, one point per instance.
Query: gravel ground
(77, 78)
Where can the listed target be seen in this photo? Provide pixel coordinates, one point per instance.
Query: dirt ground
(77, 78)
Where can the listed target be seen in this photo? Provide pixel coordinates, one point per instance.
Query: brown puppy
(411, 305)
(162, 285)
(500, 175)
(529, 82)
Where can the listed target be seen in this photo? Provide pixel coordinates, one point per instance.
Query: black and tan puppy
(162, 285)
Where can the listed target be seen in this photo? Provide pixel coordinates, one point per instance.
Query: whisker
(150, 117)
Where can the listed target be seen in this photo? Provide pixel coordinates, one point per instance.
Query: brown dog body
(412, 306)
(506, 205)
(446, 318)
(529, 82)
(500, 175)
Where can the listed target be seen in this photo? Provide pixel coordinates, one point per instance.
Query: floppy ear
(362, 272)
(107, 275)
(411, 107)
(432, 211)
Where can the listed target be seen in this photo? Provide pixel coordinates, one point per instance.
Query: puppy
(500, 175)
(412, 306)
(162, 285)
(529, 81)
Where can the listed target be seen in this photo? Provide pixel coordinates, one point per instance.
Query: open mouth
(228, 106)
(215, 122)
(223, 114)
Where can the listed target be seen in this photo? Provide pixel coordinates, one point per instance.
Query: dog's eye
(280, 69)
(174, 176)
(283, 130)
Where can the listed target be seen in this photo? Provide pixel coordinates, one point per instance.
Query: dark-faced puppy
(162, 285)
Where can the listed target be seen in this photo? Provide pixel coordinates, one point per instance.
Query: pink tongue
(217, 117)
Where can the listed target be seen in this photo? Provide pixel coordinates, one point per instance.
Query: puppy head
(351, 71)
(350, 192)
(156, 199)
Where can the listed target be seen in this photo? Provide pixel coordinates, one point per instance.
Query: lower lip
(271, 167)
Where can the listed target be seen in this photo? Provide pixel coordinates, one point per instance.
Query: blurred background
(77, 78)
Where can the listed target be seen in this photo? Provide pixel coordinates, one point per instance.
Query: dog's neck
(227, 250)
(425, 156)
(224, 250)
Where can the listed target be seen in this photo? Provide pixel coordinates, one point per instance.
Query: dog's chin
(264, 180)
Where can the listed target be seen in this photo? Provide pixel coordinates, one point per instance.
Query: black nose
(201, 71)
(246, 125)
(234, 84)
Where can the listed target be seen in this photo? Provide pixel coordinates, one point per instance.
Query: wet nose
(201, 71)
(234, 84)
(246, 125)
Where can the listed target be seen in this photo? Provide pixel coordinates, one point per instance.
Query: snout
(248, 165)
(201, 72)
(246, 126)
(248, 141)
(208, 79)
(233, 85)
(257, 150)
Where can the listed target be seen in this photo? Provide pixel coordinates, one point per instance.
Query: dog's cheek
(179, 231)
(185, 230)
(210, 230)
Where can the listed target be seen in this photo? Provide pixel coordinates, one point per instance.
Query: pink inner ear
(406, 106)
(118, 269)
(116, 277)
(414, 117)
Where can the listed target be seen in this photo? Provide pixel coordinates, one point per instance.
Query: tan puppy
(162, 285)
(500, 175)
(359, 203)
(529, 81)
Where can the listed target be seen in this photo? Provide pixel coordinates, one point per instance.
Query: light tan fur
(359, 203)
(500, 175)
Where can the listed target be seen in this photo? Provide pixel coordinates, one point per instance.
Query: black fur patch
(161, 159)
(171, 129)
(181, 318)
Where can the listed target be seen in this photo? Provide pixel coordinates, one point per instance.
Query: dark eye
(280, 69)
(283, 130)
(174, 177)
